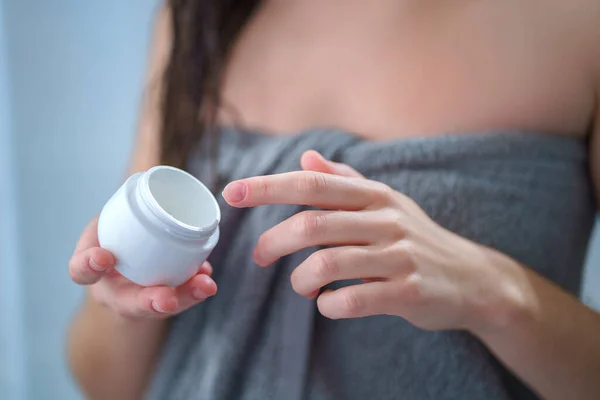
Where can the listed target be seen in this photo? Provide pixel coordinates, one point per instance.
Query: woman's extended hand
(93, 265)
(410, 266)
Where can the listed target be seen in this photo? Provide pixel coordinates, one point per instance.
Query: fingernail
(199, 294)
(157, 308)
(95, 266)
(235, 192)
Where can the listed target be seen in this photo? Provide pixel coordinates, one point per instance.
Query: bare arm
(553, 343)
(112, 356)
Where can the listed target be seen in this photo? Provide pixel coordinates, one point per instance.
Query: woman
(416, 177)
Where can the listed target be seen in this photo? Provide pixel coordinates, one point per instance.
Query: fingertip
(200, 287)
(206, 284)
(312, 160)
(325, 306)
(162, 299)
(235, 192)
(308, 154)
(88, 266)
(100, 259)
(165, 305)
(206, 269)
(259, 259)
(171, 304)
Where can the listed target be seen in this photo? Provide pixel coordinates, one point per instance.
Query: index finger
(307, 188)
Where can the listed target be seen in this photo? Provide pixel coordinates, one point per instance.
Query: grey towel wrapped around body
(525, 194)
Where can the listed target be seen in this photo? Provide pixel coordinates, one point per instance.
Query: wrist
(508, 302)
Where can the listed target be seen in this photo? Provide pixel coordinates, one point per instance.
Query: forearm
(551, 341)
(112, 357)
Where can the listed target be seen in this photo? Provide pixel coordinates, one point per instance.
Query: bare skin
(391, 68)
(385, 69)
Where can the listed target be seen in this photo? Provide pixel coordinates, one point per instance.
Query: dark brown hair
(203, 33)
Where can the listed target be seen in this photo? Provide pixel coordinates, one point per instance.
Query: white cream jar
(161, 225)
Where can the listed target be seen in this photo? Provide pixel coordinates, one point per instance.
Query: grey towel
(526, 194)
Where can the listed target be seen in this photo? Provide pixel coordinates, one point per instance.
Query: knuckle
(383, 194)
(406, 200)
(405, 203)
(309, 224)
(405, 253)
(412, 291)
(310, 184)
(352, 304)
(395, 225)
(325, 265)
(262, 188)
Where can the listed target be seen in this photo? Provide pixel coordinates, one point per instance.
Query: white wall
(12, 344)
(75, 70)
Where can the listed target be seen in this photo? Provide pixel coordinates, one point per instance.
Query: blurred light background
(70, 82)
(70, 78)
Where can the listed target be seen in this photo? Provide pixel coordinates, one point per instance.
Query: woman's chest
(419, 70)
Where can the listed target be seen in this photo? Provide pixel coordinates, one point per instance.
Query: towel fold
(525, 194)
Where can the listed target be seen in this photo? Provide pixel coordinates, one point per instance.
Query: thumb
(313, 161)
